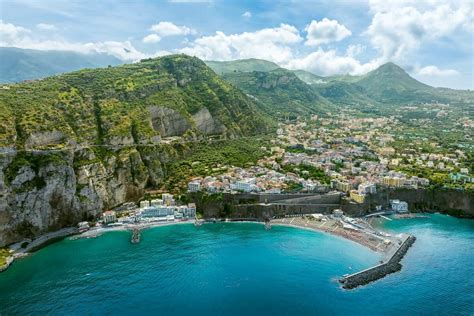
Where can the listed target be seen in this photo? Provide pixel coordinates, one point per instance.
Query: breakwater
(391, 265)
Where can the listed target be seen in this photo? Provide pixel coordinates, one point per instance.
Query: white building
(366, 188)
(109, 217)
(194, 186)
(156, 202)
(168, 199)
(399, 206)
(338, 213)
(144, 203)
(246, 185)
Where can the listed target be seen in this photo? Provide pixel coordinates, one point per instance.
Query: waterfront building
(338, 213)
(157, 211)
(399, 206)
(109, 217)
(156, 202)
(144, 203)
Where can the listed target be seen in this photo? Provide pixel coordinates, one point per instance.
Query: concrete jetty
(391, 264)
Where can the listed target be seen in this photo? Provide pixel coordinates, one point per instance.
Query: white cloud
(164, 29)
(152, 38)
(270, 43)
(328, 62)
(46, 27)
(436, 72)
(325, 31)
(10, 32)
(247, 14)
(398, 28)
(17, 36)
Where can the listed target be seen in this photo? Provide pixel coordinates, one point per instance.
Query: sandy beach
(333, 227)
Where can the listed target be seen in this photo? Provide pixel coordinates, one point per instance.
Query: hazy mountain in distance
(27, 64)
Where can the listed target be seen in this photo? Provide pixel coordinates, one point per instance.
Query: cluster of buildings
(164, 209)
(257, 179)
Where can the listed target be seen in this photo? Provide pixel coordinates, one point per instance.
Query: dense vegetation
(213, 159)
(280, 92)
(243, 65)
(308, 172)
(105, 106)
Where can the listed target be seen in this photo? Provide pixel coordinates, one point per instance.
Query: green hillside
(280, 92)
(242, 65)
(309, 77)
(174, 95)
(27, 64)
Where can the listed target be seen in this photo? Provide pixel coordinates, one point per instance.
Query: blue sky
(433, 40)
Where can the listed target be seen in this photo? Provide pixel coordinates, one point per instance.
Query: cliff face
(75, 144)
(45, 191)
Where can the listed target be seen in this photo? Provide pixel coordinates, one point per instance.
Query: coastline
(358, 237)
(330, 227)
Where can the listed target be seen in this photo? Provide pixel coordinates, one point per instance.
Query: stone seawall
(379, 271)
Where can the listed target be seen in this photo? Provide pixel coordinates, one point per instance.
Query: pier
(390, 265)
(135, 239)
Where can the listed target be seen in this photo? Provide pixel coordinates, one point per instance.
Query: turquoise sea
(242, 269)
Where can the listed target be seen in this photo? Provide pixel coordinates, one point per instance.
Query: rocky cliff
(76, 144)
(44, 191)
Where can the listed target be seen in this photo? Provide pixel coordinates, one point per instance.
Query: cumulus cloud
(10, 32)
(325, 31)
(152, 38)
(398, 28)
(164, 29)
(46, 26)
(436, 72)
(17, 36)
(270, 43)
(247, 14)
(328, 62)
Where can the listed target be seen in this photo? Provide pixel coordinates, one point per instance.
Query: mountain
(242, 65)
(170, 96)
(280, 92)
(388, 84)
(309, 77)
(110, 133)
(27, 64)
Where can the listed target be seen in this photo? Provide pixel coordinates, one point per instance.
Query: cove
(241, 268)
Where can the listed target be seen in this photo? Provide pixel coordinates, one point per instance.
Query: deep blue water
(242, 269)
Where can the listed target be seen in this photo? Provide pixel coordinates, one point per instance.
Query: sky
(431, 39)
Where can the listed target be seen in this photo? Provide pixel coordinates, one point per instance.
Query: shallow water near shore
(243, 269)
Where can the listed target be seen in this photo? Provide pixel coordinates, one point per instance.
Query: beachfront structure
(338, 213)
(194, 186)
(157, 211)
(169, 211)
(109, 217)
(156, 202)
(144, 203)
(399, 206)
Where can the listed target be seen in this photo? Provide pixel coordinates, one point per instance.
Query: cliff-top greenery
(112, 105)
